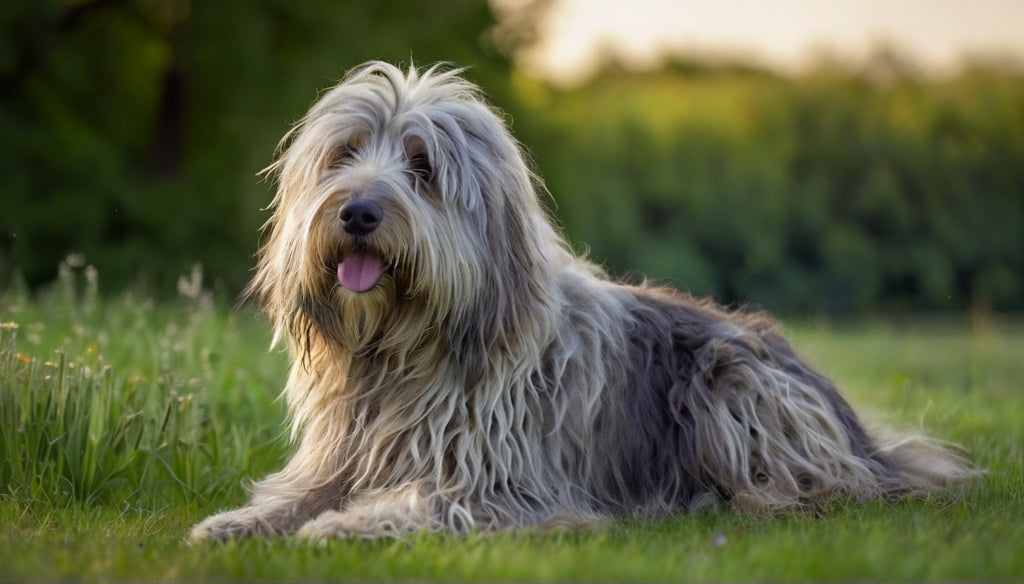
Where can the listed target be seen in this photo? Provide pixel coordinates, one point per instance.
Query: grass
(124, 421)
(131, 401)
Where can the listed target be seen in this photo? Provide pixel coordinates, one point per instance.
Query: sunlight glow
(785, 34)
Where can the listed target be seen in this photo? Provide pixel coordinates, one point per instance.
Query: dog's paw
(343, 525)
(239, 523)
(334, 525)
(320, 529)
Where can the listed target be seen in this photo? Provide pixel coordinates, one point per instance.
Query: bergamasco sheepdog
(455, 366)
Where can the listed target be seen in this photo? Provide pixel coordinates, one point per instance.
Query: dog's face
(398, 192)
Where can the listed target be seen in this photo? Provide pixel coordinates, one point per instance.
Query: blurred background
(811, 158)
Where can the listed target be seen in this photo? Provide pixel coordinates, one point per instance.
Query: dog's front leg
(254, 519)
(279, 505)
(387, 514)
(307, 486)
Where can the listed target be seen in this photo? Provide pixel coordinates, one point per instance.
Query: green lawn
(123, 421)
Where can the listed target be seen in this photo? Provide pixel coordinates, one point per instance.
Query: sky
(784, 34)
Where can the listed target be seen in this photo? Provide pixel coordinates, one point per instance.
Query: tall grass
(130, 400)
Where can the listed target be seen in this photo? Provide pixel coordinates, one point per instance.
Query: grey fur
(492, 379)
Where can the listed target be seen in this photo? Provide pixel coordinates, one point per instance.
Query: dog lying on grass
(456, 367)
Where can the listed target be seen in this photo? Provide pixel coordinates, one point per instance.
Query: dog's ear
(520, 250)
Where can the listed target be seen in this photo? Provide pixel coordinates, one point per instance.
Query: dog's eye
(419, 164)
(339, 155)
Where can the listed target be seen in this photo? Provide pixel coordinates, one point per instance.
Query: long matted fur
(455, 366)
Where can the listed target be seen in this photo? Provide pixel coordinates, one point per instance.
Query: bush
(829, 191)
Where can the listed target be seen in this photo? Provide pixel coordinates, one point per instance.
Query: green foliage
(131, 401)
(831, 191)
(134, 131)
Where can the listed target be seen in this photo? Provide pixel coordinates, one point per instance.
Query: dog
(455, 366)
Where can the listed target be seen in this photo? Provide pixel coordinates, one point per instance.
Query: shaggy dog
(456, 367)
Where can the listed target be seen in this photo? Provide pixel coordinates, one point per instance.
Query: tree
(135, 129)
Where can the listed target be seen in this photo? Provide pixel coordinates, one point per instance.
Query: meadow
(124, 420)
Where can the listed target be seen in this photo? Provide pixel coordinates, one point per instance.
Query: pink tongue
(360, 271)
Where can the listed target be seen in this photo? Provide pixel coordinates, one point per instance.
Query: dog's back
(706, 403)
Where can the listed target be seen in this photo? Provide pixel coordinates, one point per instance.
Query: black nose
(360, 217)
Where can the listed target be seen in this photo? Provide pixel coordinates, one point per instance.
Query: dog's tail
(920, 465)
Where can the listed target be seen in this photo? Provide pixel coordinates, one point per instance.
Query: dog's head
(403, 203)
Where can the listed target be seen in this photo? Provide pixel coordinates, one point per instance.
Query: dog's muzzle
(360, 269)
